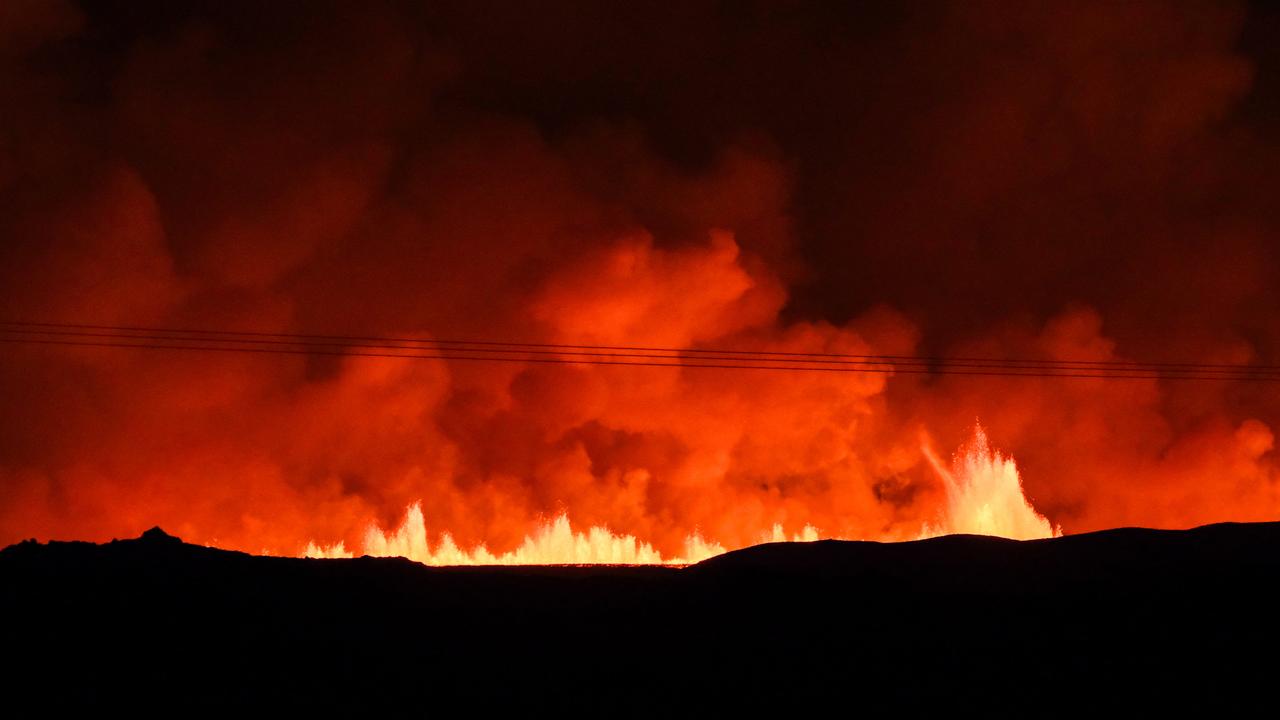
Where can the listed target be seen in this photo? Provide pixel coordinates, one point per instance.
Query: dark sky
(1019, 179)
(1018, 155)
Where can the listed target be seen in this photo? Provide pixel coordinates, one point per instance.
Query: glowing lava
(984, 494)
(984, 497)
(553, 543)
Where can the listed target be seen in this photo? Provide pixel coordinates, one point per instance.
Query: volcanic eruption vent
(984, 494)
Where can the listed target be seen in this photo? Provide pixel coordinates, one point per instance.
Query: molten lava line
(984, 497)
(553, 543)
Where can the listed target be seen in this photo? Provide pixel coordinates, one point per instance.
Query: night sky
(1039, 181)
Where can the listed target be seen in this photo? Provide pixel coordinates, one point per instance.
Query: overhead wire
(213, 340)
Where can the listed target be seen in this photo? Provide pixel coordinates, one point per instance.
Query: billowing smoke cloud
(1048, 181)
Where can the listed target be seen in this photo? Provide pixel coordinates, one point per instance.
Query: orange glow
(552, 543)
(977, 183)
(984, 497)
(636, 464)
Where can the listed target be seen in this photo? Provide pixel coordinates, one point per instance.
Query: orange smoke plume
(984, 497)
(1087, 183)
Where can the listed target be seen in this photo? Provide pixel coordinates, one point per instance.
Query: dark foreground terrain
(1141, 620)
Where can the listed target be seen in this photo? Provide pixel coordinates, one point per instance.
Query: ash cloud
(1049, 180)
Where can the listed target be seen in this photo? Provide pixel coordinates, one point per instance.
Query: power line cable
(104, 340)
(754, 354)
(893, 364)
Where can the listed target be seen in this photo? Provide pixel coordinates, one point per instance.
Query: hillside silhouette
(1129, 618)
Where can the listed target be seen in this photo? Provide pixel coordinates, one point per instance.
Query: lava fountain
(984, 497)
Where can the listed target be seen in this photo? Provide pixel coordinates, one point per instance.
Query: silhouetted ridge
(1147, 618)
(156, 535)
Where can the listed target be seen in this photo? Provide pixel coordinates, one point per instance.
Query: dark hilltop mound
(1139, 619)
